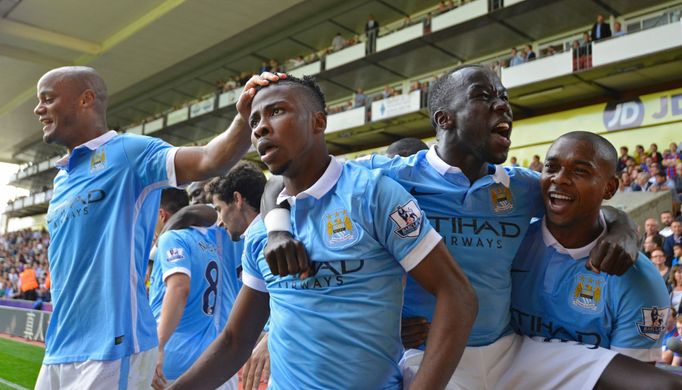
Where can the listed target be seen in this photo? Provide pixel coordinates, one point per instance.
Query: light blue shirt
(556, 297)
(231, 277)
(101, 220)
(193, 252)
(482, 223)
(340, 329)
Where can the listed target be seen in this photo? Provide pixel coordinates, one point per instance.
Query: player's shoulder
(522, 175)
(397, 163)
(134, 144)
(255, 234)
(642, 278)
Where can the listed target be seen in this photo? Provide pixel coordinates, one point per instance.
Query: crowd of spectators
(650, 170)
(24, 266)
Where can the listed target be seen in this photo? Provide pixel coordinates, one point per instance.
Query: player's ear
(319, 122)
(238, 199)
(443, 120)
(88, 98)
(611, 187)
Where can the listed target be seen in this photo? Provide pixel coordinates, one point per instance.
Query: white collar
(575, 253)
(500, 175)
(92, 145)
(320, 188)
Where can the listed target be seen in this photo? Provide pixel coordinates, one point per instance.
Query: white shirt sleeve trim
(254, 282)
(419, 252)
(176, 270)
(643, 354)
(170, 167)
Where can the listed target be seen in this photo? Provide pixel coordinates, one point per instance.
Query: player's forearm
(273, 187)
(215, 158)
(225, 150)
(221, 360)
(172, 308)
(454, 315)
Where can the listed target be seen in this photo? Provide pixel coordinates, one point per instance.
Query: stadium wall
(27, 323)
(655, 117)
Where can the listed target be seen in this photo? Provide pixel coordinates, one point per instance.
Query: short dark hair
(310, 84)
(245, 178)
(441, 91)
(603, 148)
(405, 147)
(173, 199)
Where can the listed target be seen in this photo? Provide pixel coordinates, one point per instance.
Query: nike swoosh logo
(414, 192)
(519, 270)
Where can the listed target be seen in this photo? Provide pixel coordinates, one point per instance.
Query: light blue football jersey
(101, 221)
(231, 277)
(193, 252)
(556, 297)
(340, 329)
(482, 224)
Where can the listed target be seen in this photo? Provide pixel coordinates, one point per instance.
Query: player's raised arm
(221, 153)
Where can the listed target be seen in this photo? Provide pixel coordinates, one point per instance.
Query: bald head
(80, 78)
(72, 105)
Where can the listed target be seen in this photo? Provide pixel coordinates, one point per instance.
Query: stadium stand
(626, 87)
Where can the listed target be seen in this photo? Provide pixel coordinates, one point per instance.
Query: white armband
(277, 220)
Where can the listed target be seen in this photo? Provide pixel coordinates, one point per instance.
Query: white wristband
(277, 220)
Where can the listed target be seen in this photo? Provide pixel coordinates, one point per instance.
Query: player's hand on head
(159, 381)
(414, 331)
(249, 91)
(257, 368)
(286, 255)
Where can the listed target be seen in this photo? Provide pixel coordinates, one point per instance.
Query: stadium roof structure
(158, 54)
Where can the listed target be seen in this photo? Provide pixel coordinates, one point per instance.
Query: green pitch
(19, 363)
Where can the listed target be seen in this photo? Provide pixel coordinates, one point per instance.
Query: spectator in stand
(651, 229)
(670, 159)
(513, 162)
(388, 92)
(617, 30)
(274, 66)
(442, 8)
(651, 243)
(678, 181)
(666, 221)
(640, 154)
(677, 358)
(264, 67)
(675, 238)
(407, 22)
(677, 254)
(624, 182)
(623, 159)
(296, 62)
(28, 283)
(600, 29)
(641, 182)
(655, 155)
(661, 183)
(359, 100)
(536, 165)
(426, 23)
(371, 32)
(338, 42)
(658, 258)
(529, 53)
(515, 58)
